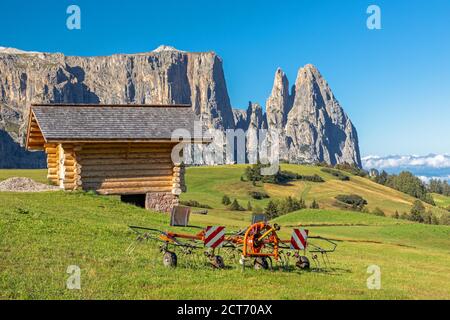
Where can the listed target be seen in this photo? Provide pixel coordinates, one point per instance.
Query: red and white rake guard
(299, 239)
(214, 236)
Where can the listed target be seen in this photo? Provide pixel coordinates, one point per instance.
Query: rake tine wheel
(324, 261)
(328, 259)
(316, 261)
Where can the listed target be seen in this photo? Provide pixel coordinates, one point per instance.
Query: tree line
(407, 183)
(439, 186)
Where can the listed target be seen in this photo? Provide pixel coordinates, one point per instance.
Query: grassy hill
(226, 180)
(41, 234)
(441, 201)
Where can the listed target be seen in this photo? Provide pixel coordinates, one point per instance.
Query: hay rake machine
(258, 243)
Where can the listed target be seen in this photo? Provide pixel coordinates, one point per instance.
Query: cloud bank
(436, 161)
(432, 166)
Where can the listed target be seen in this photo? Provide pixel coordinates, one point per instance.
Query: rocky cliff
(314, 126)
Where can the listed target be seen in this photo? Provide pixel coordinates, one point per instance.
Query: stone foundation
(161, 201)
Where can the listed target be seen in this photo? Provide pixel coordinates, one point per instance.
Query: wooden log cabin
(113, 149)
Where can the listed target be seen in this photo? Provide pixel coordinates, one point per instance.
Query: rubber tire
(260, 263)
(303, 263)
(170, 259)
(217, 262)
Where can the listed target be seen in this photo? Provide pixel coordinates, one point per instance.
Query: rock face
(317, 128)
(278, 106)
(314, 127)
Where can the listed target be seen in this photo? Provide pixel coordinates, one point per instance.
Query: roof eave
(39, 147)
(121, 140)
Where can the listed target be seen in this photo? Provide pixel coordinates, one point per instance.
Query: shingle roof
(112, 122)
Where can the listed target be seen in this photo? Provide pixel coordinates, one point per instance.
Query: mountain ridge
(313, 126)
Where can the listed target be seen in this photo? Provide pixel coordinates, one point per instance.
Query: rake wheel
(302, 263)
(260, 263)
(217, 262)
(170, 259)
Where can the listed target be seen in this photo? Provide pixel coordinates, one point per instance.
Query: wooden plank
(69, 157)
(127, 173)
(35, 140)
(51, 145)
(124, 155)
(132, 190)
(70, 162)
(124, 150)
(50, 150)
(120, 161)
(70, 186)
(35, 147)
(126, 167)
(129, 184)
(35, 133)
(69, 175)
(125, 179)
(71, 168)
(113, 143)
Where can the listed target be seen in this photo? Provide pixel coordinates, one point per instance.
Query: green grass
(41, 234)
(209, 184)
(35, 174)
(441, 201)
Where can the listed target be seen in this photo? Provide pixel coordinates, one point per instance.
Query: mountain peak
(309, 70)
(15, 51)
(163, 48)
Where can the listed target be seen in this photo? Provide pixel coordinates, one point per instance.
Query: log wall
(115, 168)
(52, 162)
(137, 168)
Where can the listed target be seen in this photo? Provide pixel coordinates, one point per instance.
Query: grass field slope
(41, 234)
(441, 201)
(209, 184)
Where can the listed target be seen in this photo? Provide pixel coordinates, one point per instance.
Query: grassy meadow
(441, 200)
(41, 234)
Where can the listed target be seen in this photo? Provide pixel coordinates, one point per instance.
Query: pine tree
(314, 204)
(302, 204)
(396, 215)
(235, 206)
(249, 206)
(226, 200)
(417, 211)
(271, 210)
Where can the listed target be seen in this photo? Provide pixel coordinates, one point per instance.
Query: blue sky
(394, 83)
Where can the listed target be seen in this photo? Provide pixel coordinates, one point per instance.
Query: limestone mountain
(314, 126)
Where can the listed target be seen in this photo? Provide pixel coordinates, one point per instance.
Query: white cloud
(435, 161)
(427, 179)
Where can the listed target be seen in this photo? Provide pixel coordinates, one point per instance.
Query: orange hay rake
(259, 242)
